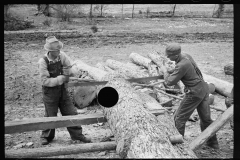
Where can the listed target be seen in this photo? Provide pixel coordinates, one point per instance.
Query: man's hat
(53, 44)
(173, 49)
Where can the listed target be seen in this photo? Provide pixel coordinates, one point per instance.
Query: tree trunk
(139, 60)
(138, 133)
(84, 95)
(90, 15)
(130, 72)
(133, 11)
(101, 10)
(122, 11)
(221, 87)
(173, 12)
(104, 67)
(56, 151)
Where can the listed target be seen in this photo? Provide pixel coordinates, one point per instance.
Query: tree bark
(221, 87)
(212, 129)
(133, 73)
(56, 151)
(126, 70)
(138, 133)
(84, 95)
(104, 67)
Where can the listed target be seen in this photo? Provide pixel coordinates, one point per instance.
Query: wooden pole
(34, 124)
(56, 151)
(212, 129)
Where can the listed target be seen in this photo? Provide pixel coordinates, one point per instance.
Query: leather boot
(44, 141)
(83, 139)
(213, 143)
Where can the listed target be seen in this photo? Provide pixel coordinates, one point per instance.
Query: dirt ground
(209, 41)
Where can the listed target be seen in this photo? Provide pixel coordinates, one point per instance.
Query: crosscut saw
(85, 82)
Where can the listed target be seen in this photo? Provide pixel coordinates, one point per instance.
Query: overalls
(196, 97)
(57, 97)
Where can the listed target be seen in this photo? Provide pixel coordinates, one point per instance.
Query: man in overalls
(54, 72)
(196, 89)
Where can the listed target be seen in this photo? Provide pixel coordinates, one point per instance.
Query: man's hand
(66, 71)
(65, 78)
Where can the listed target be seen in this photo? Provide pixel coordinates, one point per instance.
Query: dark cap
(173, 49)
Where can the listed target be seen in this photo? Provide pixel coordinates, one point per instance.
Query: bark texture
(126, 70)
(138, 133)
(131, 73)
(222, 87)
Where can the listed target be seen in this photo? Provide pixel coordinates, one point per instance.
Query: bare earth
(209, 41)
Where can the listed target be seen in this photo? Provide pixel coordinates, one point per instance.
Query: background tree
(90, 15)
(173, 11)
(122, 11)
(133, 11)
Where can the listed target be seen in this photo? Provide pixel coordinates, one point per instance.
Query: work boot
(83, 139)
(44, 141)
(213, 144)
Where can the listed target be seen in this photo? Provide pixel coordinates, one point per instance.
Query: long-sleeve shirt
(184, 71)
(48, 81)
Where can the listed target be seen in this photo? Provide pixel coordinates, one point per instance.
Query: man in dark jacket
(54, 72)
(196, 89)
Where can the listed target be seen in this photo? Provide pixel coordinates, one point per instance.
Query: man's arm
(66, 61)
(45, 76)
(175, 77)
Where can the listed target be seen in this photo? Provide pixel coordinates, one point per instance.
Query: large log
(139, 134)
(84, 95)
(131, 73)
(212, 129)
(139, 60)
(56, 151)
(221, 87)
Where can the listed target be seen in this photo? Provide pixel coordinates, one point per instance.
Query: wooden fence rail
(34, 124)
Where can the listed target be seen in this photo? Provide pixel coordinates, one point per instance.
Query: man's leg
(184, 111)
(50, 111)
(51, 103)
(205, 120)
(67, 108)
